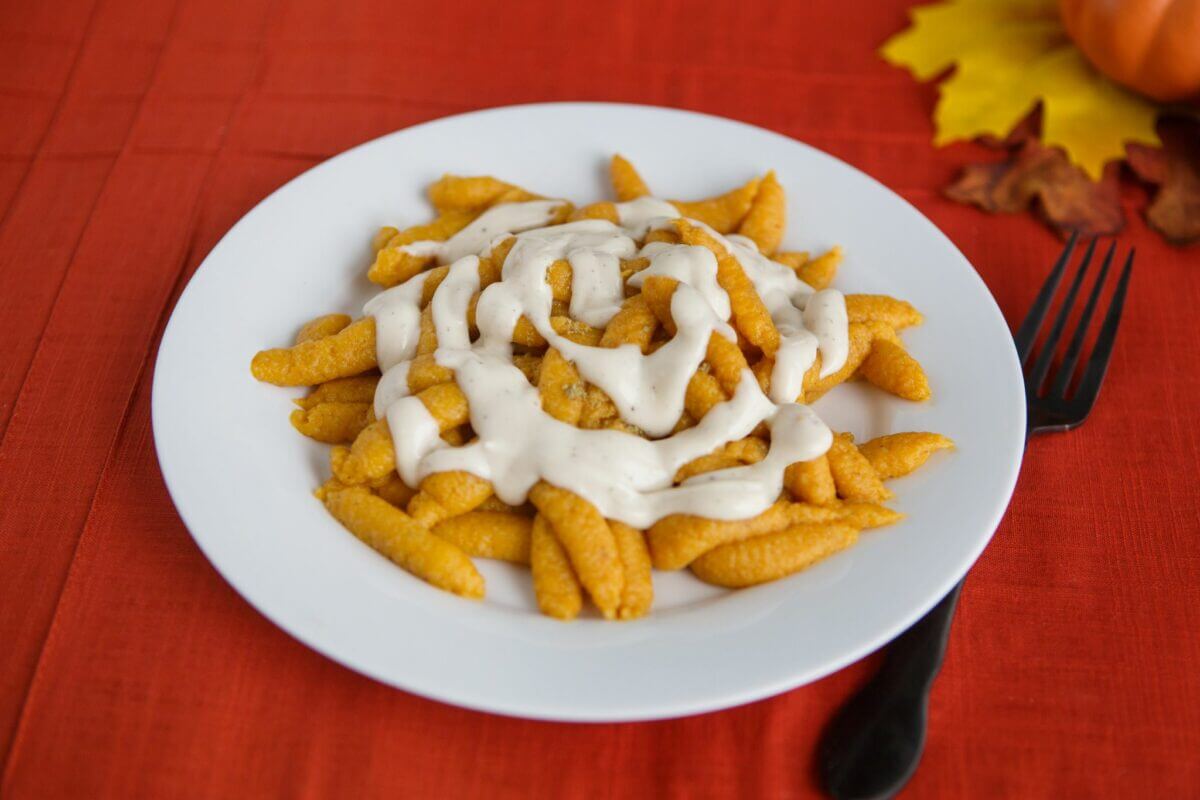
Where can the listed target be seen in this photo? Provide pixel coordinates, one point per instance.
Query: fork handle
(871, 747)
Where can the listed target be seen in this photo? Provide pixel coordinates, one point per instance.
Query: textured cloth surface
(134, 133)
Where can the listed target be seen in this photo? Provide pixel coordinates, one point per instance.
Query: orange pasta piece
(489, 534)
(427, 339)
(900, 453)
(356, 389)
(627, 183)
(576, 331)
(561, 388)
(868, 515)
(703, 392)
(394, 264)
(635, 323)
(767, 216)
(349, 352)
(456, 437)
(396, 491)
(598, 411)
(443, 495)
(792, 258)
(323, 326)
(722, 213)
(555, 584)
(332, 423)
(637, 593)
(559, 276)
(530, 366)
(891, 368)
(677, 540)
(820, 271)
(494, 503)
(603, 210)
(382, 237)
(394, 534)
(773, 555)
(852, 473)
(882, 308)
(811, 481)
(469, 193)
(588, 540)
(371, 459)
(516, 194)
(662, 235)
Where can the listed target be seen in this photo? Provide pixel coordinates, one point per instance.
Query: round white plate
(242, 478)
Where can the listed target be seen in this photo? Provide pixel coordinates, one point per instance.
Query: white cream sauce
(689, 264)
(497, 220)
(596, 288)
(627, 477)
(397, 314)
(802, 333)
(637, 216)
(391, 387)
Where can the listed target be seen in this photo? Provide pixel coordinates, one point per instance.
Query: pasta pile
(433, 526)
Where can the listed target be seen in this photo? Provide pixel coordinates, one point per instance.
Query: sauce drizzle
(627, 477)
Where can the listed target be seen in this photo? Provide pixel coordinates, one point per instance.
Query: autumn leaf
(1042, 178)
(1175, 169)
(1009, 56)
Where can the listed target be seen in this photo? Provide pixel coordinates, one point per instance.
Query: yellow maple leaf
(1009, 55)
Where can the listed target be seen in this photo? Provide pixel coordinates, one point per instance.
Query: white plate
(242, 478)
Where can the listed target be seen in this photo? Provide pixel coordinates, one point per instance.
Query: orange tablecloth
(134, 133)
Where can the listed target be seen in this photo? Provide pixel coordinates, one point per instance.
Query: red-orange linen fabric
(134, 133)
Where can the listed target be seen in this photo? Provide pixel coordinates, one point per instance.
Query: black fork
(872, 746)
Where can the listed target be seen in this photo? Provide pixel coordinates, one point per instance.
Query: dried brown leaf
(1043, 178)
(1175, 169)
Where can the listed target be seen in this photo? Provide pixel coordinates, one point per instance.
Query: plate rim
(716, 701)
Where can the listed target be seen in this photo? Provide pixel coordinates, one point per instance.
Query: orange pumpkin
(1151, 46)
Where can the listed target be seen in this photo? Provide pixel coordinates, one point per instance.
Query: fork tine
(1063, 379)
(1027, 333)
(1042, 366)
(1097, 365)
